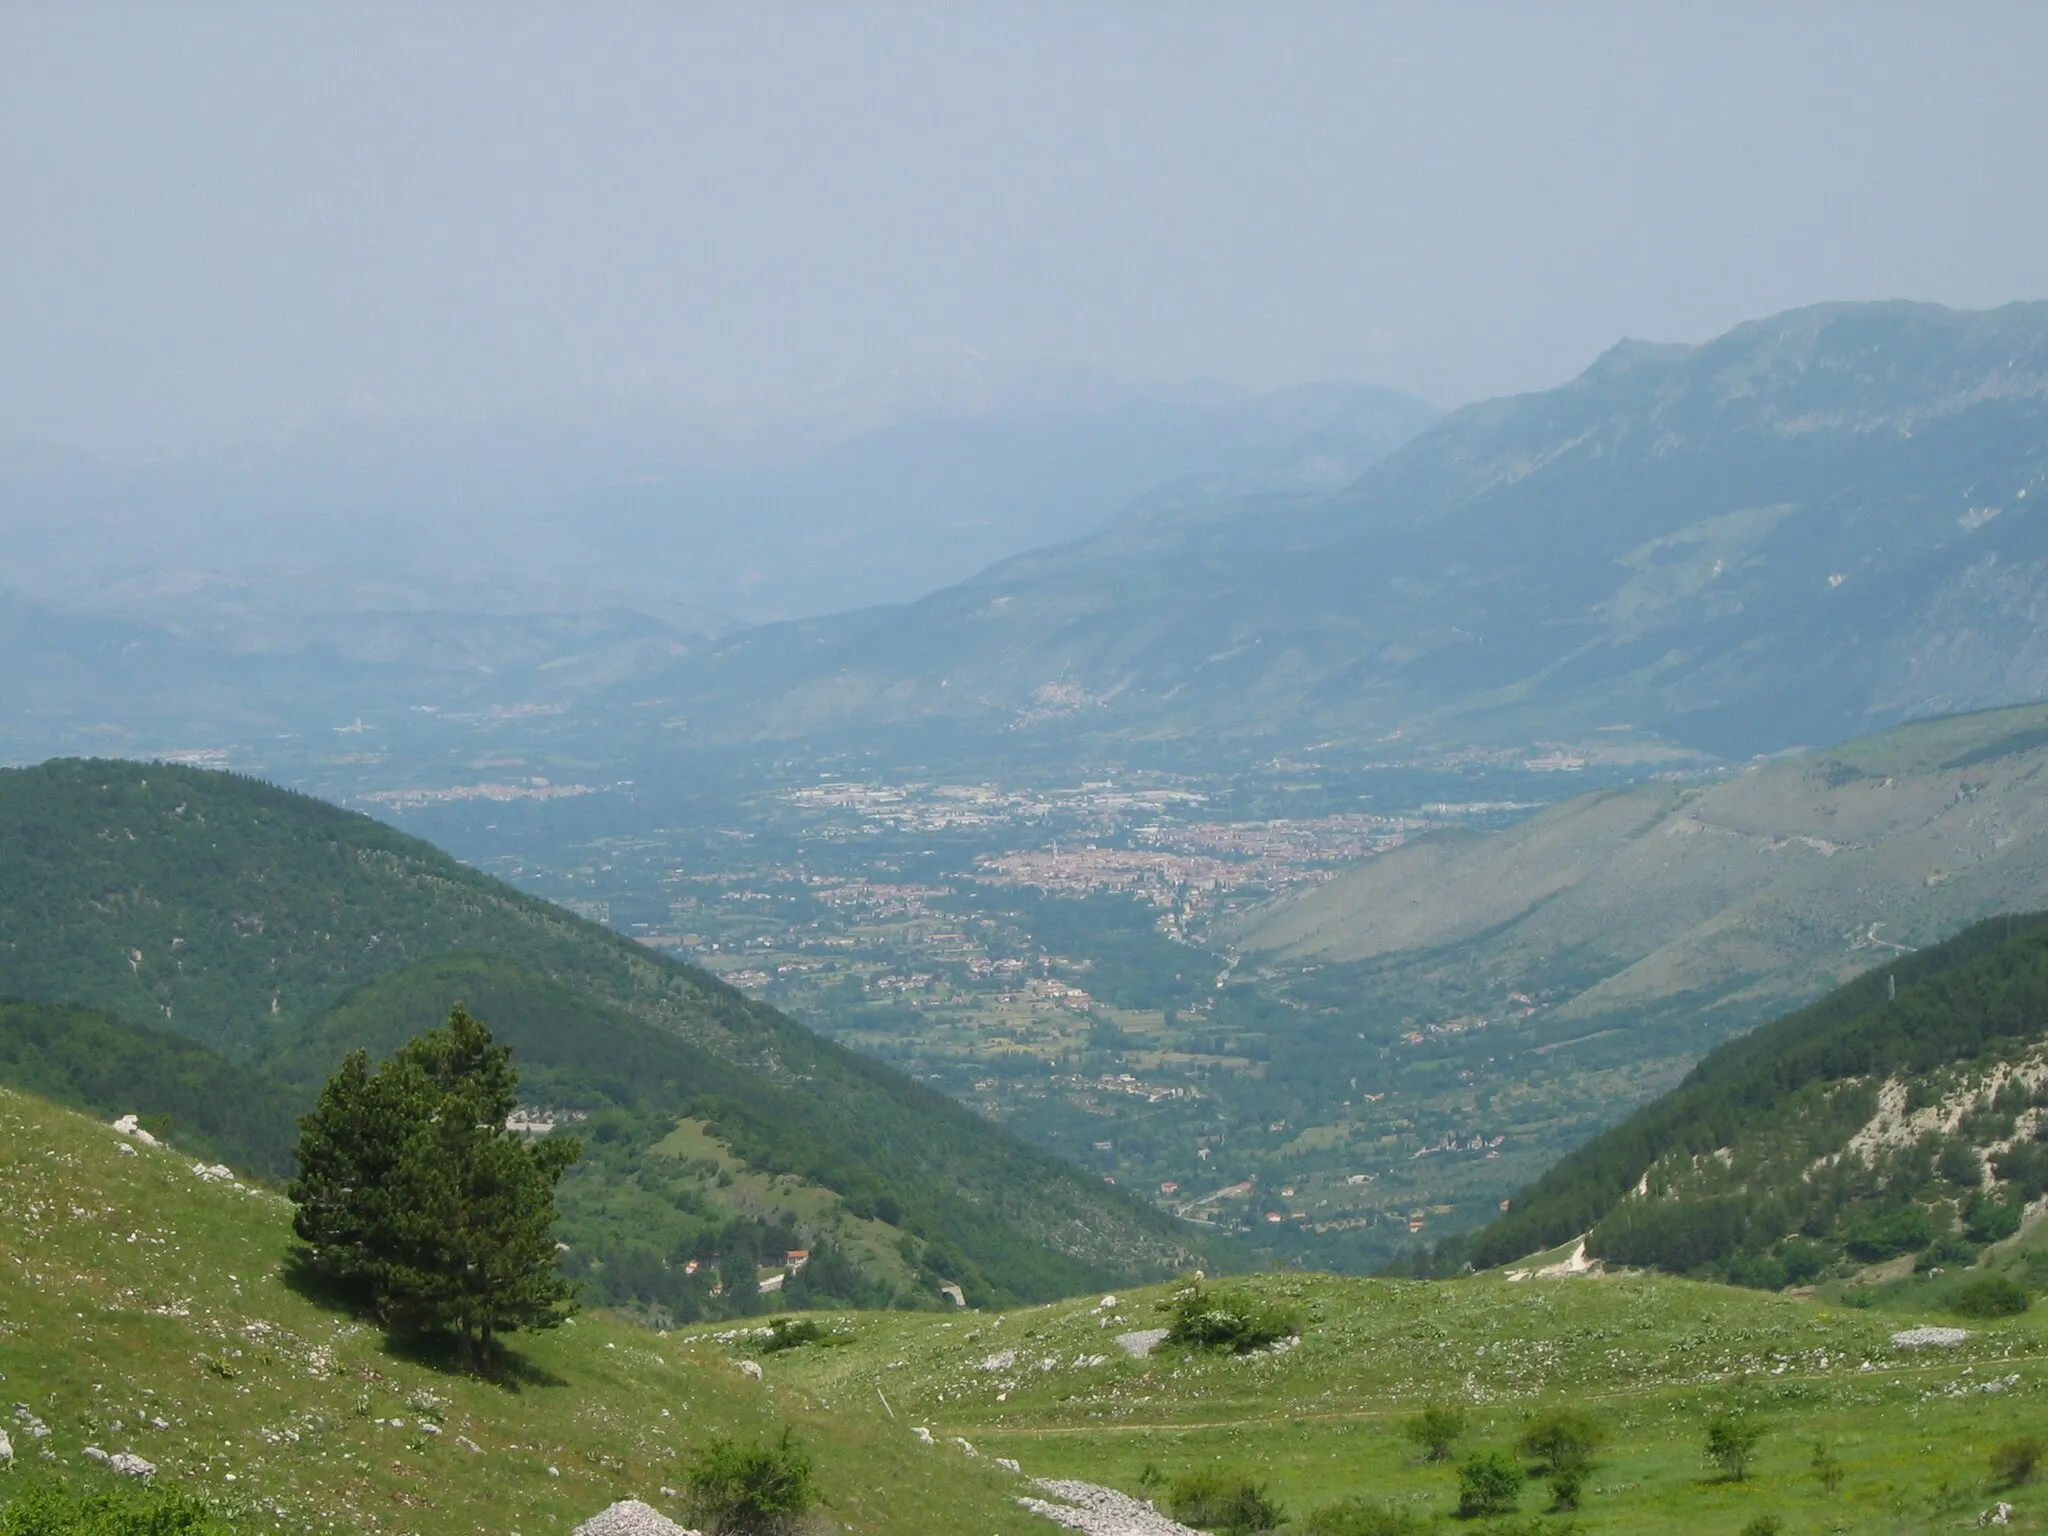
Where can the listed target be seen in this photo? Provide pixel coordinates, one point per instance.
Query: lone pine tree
(413, 1196)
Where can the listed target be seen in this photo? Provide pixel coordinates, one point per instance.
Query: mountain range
(1810, 527)
(371, 567)
(1726, 900)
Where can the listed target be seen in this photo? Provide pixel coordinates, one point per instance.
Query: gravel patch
(1101, 1511)
(1930, 1338)
(629, 1517)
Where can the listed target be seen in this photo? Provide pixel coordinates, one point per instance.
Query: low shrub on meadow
(750, 1490)
(1990, 1296)
(1202, 1318)
(1228, 1503)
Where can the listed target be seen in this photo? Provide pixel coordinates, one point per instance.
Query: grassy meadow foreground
(143, 1308)
(1655, 1358)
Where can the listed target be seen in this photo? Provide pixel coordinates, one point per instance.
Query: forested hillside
(176, 1087)
(1901, 1113)
(282, 931)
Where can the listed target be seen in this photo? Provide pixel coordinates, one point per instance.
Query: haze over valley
(725, 738)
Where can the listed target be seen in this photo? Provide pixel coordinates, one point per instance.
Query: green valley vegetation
(2014, 1460)
(1530, 984)
(175, 1087)
(1732, 1443)
(1393, 1053)
(1905, 1114)
(1489, 1483)
(278, 933)
(1360, 1515)
(48, 1509)
(1227, 1503)
(1679, 908)
(1436, 1429)
(1603, 1392)
(415, 1199)
(1563, 1441)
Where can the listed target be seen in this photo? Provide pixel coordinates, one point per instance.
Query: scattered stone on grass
(1140, 1344)
(127, 1463)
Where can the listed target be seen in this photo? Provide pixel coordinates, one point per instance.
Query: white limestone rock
(1141, 1344)
(127, 1463)
(629, 1517)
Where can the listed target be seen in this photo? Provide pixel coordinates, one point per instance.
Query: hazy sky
(215, 217)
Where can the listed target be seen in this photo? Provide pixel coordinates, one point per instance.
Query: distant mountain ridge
(1815, 525)
(1722, 901)
(386, 566)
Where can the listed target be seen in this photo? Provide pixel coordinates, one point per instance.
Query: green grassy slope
(1653, 1357)
(141, 1309)
(1736, 899)
(300, 1420)
(1832, 1116)
(251, 919)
